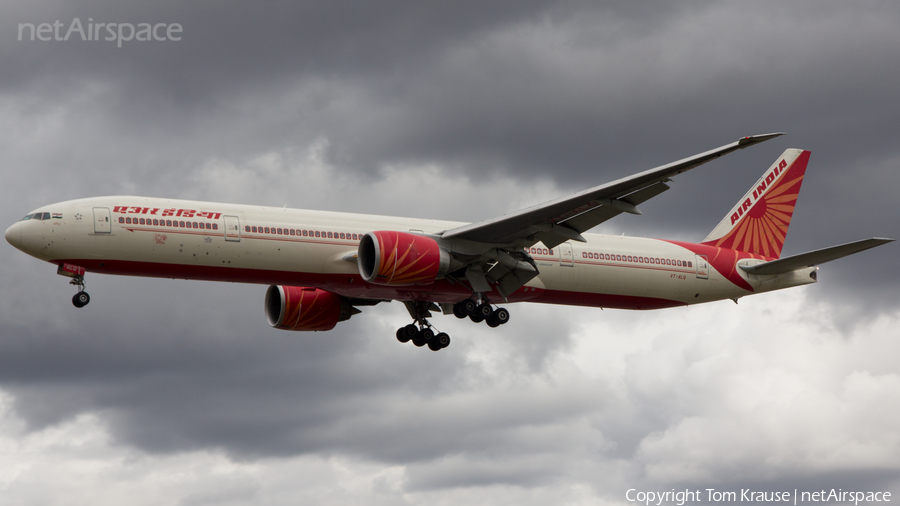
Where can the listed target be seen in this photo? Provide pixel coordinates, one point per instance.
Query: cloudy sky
(177, 392)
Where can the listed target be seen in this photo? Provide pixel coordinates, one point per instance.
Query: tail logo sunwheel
(759, 223)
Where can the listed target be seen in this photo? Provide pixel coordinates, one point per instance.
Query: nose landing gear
(75, 272)
(81, 298)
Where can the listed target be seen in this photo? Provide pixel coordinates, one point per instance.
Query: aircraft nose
(14, 235)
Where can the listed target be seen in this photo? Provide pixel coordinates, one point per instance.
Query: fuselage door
(232, 228)
(102, 223)
(566, 257)
(702, 267)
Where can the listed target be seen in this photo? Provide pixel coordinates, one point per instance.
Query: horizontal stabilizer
(812, 258)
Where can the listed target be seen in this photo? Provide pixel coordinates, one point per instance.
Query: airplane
(321, 266)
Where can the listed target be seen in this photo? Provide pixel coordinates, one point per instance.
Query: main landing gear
(481, 312)
(81, 298)
(421, 332)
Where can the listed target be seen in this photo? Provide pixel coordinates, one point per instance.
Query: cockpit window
(36, 216)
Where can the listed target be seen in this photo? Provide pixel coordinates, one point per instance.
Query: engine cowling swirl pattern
(401, 259)
(304, 309)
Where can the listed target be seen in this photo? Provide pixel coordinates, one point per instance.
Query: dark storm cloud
(214, 376)
(581, 93)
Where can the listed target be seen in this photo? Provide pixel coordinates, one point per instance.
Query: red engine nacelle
(401, 259)
(305, 309)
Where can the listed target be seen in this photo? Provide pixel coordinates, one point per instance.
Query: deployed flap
(591, 219)
(519, 225)
(812, 258)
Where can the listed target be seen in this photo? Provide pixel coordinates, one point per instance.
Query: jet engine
(305, 309)
(401, 259)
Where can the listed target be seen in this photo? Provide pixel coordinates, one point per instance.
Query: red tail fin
(759, 222)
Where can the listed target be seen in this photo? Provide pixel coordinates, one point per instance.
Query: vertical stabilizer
(759, 222)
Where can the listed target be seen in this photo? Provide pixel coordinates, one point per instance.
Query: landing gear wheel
(442, 339)
(468, 306)
(81, 299)
(500, 316)
(459, 310)
(404, 334)
(423, 337)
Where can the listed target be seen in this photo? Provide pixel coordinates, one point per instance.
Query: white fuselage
(155, 237)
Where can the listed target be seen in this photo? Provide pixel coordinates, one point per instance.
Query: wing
(563, 219)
